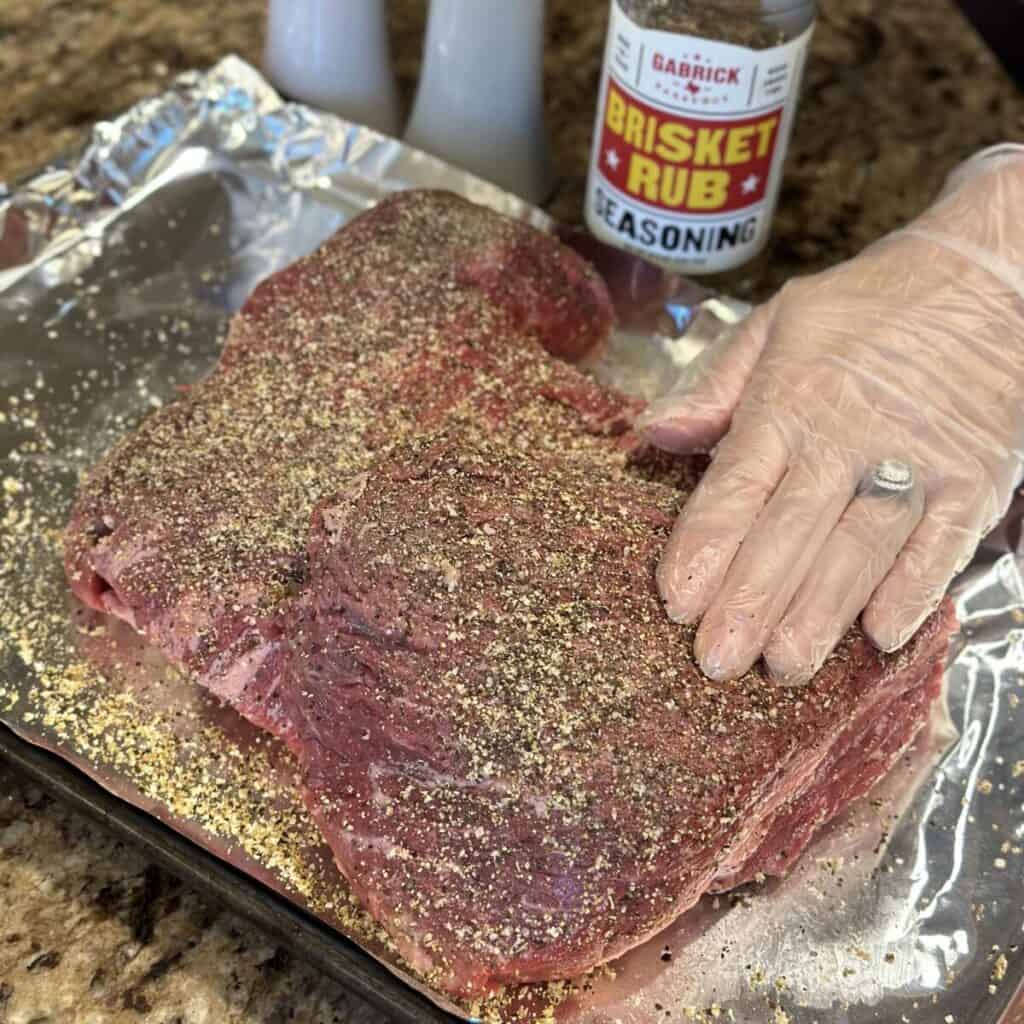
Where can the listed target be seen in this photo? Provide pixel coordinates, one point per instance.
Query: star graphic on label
(611, 158)
(693, 88)
(750, 183)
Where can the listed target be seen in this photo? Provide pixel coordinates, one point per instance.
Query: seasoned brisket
(394, 530)
(194, 527)
(507, 743)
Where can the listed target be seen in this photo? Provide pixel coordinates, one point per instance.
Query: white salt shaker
(334, 54)
(480, 103)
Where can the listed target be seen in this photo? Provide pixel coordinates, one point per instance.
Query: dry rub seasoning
(696, 105)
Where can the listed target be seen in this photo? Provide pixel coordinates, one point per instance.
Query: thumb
(696, 413)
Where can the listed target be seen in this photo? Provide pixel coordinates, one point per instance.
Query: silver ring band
(890, 477)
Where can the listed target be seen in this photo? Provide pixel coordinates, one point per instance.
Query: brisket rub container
(695, 110)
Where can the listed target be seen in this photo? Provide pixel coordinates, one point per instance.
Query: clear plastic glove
(867, 426)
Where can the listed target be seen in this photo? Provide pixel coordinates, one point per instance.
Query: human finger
(775, 557)
(731, 495)
(854, 560)
(697, 413)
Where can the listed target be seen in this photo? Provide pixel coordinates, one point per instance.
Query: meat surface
(507, 743)
(194, 527)
(392, 529)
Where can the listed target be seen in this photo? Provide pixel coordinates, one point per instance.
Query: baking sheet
(118, 270)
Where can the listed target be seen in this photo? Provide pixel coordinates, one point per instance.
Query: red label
(685, 164)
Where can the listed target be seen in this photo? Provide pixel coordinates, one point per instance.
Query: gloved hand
(867, 426)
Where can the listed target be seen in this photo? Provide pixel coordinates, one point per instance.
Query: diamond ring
(888, 477)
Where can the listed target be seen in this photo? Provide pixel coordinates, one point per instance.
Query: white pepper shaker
(480, 102)
(334, 54)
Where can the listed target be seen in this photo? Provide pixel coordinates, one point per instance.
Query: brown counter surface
(895, 95)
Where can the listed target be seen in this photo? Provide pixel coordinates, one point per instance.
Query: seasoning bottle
(695, 110)
(480, 101)
(336, 56)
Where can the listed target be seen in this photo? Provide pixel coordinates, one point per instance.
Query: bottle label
(689, 143)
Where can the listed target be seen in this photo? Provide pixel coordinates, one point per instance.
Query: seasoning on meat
(508, 745)
(392, 529)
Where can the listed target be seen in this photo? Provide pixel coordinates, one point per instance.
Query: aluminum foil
(118, 270)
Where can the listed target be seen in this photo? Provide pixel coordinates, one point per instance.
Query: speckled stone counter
(89, 932)
(895, 95)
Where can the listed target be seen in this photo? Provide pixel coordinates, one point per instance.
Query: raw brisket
(394, 530)
(194, 527)
(507, 743)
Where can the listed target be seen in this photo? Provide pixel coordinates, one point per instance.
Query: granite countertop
(895, 95)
